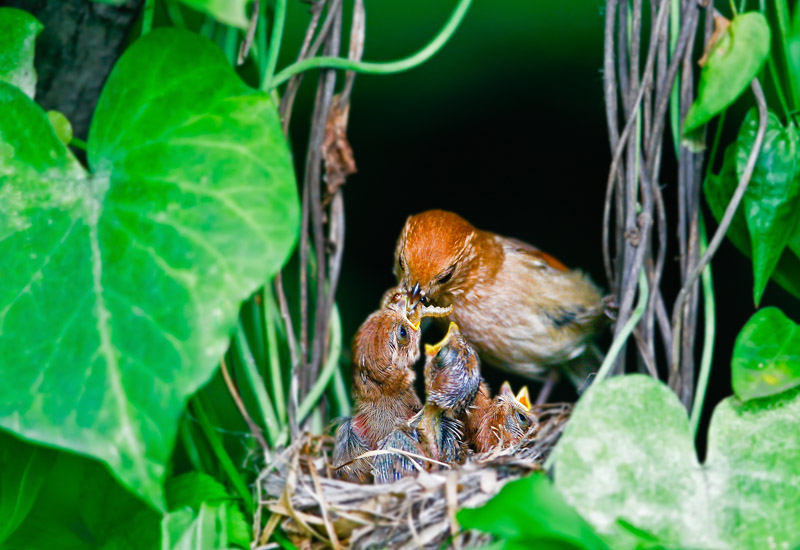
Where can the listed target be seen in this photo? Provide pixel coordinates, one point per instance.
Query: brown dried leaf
(721, 24)
(336, 150)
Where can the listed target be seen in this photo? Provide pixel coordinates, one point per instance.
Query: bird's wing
(538, 257)
(393, 466)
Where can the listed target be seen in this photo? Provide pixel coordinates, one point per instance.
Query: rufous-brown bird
(506, 421)
(522, 309)
(385, 349)
(452, 381)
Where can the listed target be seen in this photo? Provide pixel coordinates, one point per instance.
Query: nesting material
(317, 511)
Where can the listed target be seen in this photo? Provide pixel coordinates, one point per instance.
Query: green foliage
(86, 509)
(23, 470)
(230, 12)
(19, 30)
(769, 212)
(627, 463)
(732, 63)
(207, 497)
(530, 513)
(122, 285)
(772, 201)
(766, 356)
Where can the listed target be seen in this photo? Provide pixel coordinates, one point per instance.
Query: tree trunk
(80, 43)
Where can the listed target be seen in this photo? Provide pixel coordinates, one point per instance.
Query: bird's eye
(402, 335)
(446, 277)
(522, 419)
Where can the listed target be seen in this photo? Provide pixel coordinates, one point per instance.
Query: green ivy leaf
(230, 12)
(719, 189)
(195, 489)
(121, 286)
(772, 201)
(766, 356)
(627, 458)
(23, 470)
(732, 63)
(530, 513)
(19, 30)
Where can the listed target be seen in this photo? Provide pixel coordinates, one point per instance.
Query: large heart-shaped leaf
(732, 63)
(626, 462)
(766, 357)
(718, 190)
(121, 286)
(19, 30)
(772, 201)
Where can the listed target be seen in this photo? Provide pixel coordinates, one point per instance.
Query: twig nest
(317, 511)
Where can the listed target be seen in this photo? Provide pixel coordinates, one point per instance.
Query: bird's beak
(523, 398)
(452, 331)
(415, 295)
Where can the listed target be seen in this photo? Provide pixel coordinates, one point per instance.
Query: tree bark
(79, 45)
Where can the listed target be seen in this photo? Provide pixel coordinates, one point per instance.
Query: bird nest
(318, 511)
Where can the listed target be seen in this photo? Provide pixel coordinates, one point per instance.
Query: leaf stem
(271, 317)
(674, 94)
(78, 143)
(222, 455)
(245, 355)
(773, 73)
(268, 81)
(619, 341)
(782, 15)
(330, 366)
(147, 16)
(376, 68)
(709, 313)
(340, 393)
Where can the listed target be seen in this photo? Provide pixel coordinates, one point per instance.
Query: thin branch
(237, 399)
(724, 223)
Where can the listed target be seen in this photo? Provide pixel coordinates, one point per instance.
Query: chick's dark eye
(402, 334)
(522, 419)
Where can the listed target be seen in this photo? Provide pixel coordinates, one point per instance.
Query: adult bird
(522, 309)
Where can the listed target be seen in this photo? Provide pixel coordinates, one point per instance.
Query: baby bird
(385, 349)
(522, 309)
(452, 381)
(505, 421)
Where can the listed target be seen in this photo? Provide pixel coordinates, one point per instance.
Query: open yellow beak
(524, 398)
(431, 350)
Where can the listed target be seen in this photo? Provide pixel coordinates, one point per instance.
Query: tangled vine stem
(329, 62)
(642, 100)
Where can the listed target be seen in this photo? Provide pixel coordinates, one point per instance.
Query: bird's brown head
(434, 256)
(452, 372)
(386, 347)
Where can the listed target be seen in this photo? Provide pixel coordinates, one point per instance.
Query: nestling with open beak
(522, 309)
(385, 349)
(452, 380)
(506, 421)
